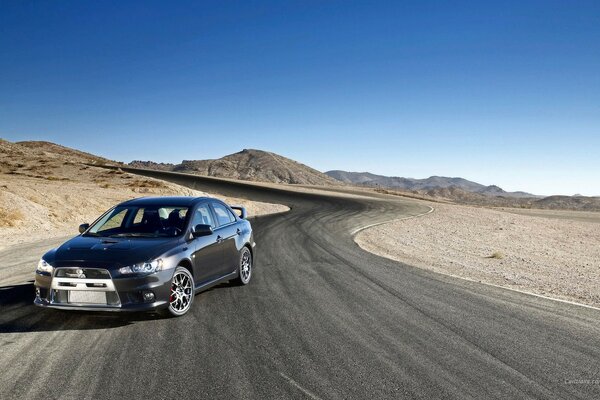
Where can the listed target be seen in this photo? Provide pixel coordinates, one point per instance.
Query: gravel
(555, 257)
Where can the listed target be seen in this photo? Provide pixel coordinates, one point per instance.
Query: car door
(227, 232)
(207, 258)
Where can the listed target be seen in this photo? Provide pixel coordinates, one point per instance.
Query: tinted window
(203, 216)
(224, 216)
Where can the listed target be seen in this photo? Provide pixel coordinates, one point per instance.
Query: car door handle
(239, 232)
(219, 239)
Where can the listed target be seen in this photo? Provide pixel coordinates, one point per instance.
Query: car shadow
(19, 314)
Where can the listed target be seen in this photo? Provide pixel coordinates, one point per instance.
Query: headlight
(44, 267)
(143, 268)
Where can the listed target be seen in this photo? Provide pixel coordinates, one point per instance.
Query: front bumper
(122, 293)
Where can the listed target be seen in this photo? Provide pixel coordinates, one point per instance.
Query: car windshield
(141, 221)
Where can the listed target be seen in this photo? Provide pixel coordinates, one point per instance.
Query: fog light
(148, 296)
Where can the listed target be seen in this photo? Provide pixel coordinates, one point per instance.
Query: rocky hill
(54, 150)
(250, 165)
(47, 190)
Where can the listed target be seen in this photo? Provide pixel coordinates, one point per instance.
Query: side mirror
(83, 227)
(202, 230)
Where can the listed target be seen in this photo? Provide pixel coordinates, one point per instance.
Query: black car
(152, 253)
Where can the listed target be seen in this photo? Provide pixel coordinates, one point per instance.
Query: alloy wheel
(246, 267)
(182, 292)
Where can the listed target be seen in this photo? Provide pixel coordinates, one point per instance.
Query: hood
(110, 253)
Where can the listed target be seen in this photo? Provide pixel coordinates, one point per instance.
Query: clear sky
(504, 93)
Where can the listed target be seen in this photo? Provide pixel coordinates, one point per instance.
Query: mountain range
(433, 182)
(60, 163)
(264, 166)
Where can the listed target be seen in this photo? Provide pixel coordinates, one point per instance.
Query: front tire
(181, 295)
(245, 267)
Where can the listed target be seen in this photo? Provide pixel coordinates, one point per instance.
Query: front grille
(84, 286)
(82, 273)
(85, 297)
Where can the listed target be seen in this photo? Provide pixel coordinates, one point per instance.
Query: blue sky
(504, 93)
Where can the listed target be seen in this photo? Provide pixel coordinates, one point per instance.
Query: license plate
(87, 296)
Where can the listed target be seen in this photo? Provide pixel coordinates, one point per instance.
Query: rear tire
(244, 267)
(181, 295)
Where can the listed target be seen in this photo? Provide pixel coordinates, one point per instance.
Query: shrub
(10, 218)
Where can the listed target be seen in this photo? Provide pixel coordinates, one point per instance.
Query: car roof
(176, 201)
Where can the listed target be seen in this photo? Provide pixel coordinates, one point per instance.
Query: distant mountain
(411, 184)
(152, 165)
(576, 202)
(248, 164)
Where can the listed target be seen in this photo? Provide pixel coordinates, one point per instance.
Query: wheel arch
(187, 264)
(249, 247)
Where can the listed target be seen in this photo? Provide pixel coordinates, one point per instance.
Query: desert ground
(551, 253)
(46, 191)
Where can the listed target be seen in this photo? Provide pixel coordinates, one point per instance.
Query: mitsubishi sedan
(152, 253)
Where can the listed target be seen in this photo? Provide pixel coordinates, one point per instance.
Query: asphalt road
(321, 319)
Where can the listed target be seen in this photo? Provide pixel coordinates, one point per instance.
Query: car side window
(203, 216)
(224, 216)
(138, 216)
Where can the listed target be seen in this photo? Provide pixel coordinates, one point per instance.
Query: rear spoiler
(242, 210)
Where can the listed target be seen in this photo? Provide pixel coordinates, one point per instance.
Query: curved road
(322, 319)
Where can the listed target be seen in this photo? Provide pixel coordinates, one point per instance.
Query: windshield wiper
(93, 234)
(132, 235)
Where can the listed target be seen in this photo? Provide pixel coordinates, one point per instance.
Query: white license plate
(87, 296)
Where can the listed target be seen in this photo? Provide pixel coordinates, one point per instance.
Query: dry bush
(54, 178)
(147, 184)
(40, 170)
(497, 255)
(10, 218)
